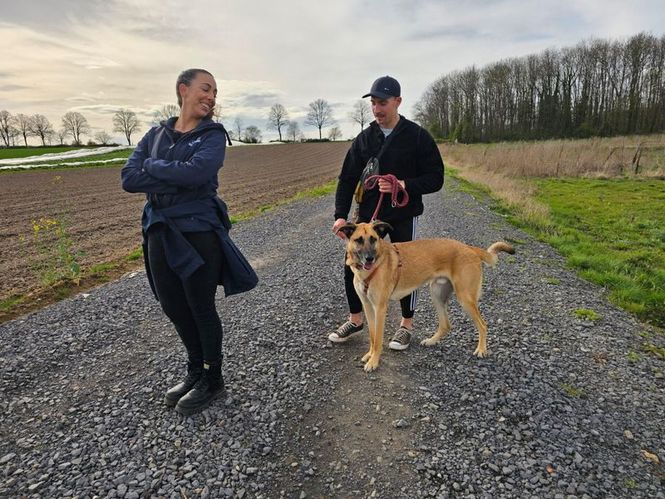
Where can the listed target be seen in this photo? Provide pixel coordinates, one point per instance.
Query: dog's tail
(490, 256)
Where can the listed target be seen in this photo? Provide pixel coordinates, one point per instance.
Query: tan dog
(384, 271)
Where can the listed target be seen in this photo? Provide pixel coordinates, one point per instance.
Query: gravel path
(560, 408)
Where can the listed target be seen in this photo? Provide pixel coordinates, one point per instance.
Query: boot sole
(189, 411)
(171, 402)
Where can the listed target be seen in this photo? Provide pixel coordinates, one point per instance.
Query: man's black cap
(384, 88)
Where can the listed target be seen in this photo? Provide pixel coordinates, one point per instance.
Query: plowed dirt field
(103, 221)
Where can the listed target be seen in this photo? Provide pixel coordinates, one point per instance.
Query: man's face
(385, 110)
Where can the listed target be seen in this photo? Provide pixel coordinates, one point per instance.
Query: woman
(186, 246)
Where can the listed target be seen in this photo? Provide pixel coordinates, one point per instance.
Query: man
(407, 151)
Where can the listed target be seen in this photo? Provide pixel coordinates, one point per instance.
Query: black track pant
(190, 304)
(403, 231)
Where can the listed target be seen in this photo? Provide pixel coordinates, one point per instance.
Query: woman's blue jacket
(178, 173)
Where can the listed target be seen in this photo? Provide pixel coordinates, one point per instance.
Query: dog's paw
(480, 353)
(429, 342)
(366, 356)
(371, 365)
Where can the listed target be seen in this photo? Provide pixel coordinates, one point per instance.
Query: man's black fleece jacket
(412, 156)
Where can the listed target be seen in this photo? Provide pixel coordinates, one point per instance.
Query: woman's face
(198, 99)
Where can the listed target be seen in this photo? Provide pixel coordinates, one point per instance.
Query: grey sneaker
(344, 332)
(401, 339)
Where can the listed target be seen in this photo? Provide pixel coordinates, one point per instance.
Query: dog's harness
(396, 190)
(371, 274)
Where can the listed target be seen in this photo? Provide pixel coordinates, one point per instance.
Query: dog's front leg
(368, 310)
(376, 339)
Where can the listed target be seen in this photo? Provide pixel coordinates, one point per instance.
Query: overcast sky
(96, 56)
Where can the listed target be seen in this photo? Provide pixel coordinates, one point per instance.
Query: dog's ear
(382, 228)
(347, 229)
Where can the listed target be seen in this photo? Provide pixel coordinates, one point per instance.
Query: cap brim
(379, 95)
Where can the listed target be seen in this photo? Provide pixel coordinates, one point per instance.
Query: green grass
(137, 254)
(587, 314)
(613, 233)
(309, 193)
(11, 302)
(24, 152)
(656, 351)
(571, 391)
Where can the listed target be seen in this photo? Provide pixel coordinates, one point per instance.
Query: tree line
(319, 115)
(598, 87)
(74, 125)
(15, 129)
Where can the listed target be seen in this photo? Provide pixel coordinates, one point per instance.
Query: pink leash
(396, 190)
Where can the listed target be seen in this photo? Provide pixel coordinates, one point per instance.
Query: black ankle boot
(194, 370)
(209, 385)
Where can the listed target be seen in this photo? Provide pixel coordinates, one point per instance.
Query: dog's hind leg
(440, 291)
(469, 303)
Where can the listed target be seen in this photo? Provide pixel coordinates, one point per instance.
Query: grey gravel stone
(543, 415)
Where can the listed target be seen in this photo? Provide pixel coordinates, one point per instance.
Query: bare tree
(597, 87)
(14, 134)
(6, 127)
(278, 117)
(293, 130)
(252, 134)
(361, 113)
(334, 133)
(76, 124)
(41, 127)
(22, 124)
(62, 134)
(320, 114)
(165, 112)
(103, 138)
(238, 125)
(126, 121)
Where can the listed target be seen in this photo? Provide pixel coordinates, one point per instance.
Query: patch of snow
(76, 153)
(66, 163)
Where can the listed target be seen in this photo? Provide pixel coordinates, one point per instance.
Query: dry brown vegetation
(505, 168)
(610, 157)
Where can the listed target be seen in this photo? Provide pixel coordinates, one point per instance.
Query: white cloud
(101, 55)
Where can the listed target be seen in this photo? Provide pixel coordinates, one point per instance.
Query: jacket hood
(204, 125)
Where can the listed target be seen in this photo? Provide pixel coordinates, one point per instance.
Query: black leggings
(190, 304)
(404, 230)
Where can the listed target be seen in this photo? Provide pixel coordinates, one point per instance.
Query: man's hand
(335, 228)
(385, 186)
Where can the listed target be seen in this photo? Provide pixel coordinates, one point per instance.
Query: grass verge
(309, 193)
(612, 232)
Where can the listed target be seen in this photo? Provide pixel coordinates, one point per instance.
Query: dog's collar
(371, 274)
